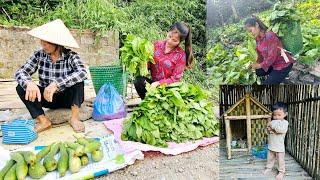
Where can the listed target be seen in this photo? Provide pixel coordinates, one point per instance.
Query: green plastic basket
(109, 74)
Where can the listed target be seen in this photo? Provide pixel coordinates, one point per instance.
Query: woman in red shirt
(273, 61)
(170, 59)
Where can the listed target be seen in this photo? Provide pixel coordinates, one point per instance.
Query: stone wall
(16, 46)
(301, 74)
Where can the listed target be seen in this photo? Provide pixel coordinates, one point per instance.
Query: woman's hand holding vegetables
(155, 84)
(256, 66)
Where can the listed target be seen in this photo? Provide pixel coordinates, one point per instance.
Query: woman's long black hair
(252, 21)
(186, 36)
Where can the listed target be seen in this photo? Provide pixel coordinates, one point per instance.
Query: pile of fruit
(71, 156)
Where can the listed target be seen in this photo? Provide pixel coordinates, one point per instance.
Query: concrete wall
(16, 46)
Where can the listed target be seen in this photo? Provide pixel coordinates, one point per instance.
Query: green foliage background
(147, 19)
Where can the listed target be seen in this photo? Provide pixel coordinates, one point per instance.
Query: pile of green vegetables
(135, 55)
(305, 13)
(177, 112)
(280, 16)
(72, 155)
(232, 66)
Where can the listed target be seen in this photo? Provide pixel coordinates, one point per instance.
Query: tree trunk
(234, 10)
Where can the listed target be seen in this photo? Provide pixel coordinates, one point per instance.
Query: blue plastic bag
(108, 104)
(262, 153)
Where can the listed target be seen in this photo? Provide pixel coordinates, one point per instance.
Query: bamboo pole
(239, 150)
(307, 131)
(304, 135)
(317, 140)
(294, 122)
(229, 136)
(311, 137)
(299, 152)
(247, 98)
(245, 117)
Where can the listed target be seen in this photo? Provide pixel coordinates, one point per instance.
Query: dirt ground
(202, 163)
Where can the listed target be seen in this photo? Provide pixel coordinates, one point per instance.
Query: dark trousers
(70, 96)
(140, 85)
(274, 76)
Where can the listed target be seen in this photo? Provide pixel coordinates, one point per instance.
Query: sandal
(77, 126)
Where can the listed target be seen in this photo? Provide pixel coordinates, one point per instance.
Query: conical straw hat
(55, 32)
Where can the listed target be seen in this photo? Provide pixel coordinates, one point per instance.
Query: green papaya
(74, 161)
(21, 165)
(97, 155)
(49, 162)
(11, 174)
(37, 170)
(29, 157)
(82, 141)
(92, 146)
(63, 160)
(43, 152)
(84, 160)
(6, 168)
(78, 148)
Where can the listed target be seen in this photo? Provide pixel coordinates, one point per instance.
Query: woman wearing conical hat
(61, 75)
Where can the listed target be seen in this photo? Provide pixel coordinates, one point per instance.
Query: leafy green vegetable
(279, 18)
(177, 112)
(233, 66)
(135, 54)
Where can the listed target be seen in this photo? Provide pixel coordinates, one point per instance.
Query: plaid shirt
(65, 72)
(269, 52)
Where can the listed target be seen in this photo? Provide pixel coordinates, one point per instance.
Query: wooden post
(248, 110)
(229, 136)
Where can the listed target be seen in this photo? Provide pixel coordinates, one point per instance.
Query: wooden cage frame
(248, 117)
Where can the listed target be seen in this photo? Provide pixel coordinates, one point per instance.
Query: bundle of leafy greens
(280, 16)
(178, 112)
(135, 55)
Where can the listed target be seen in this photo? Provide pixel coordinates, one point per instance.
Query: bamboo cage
(246, 118)
(303, 136)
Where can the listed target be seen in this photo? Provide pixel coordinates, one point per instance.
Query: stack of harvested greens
(135, 54)
(285, 21)
(177, 112)
(280, 17)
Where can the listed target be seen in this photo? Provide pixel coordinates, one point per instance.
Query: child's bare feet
(266, 171)
(280, 176)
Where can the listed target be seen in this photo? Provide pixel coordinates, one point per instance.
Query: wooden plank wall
(303, 137)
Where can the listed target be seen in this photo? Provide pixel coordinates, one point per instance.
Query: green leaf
(177, 99)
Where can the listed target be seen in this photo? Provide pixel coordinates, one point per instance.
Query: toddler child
(277, 130)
